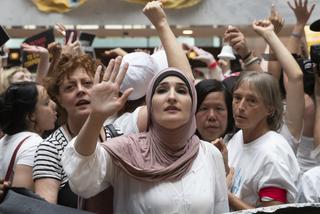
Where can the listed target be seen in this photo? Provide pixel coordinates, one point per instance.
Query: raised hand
(301, 11)
(105, 100)
(142, 50)
(276, 19)
(72, 48)
(203, 56)
(262, 27)
(34, 49)
(60, 28)
(153, 10)
(159, 48)
(237, 40)
(115, 52)
(55, 49)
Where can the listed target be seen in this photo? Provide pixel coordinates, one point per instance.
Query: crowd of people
(141, 134)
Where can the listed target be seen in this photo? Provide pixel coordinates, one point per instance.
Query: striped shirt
(47, 163)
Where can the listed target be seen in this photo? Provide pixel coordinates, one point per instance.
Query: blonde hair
(6, 76)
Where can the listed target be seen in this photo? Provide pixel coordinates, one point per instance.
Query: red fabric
(275, 193)
(213, 65)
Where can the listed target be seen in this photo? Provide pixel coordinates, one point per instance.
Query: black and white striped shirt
(47, 163)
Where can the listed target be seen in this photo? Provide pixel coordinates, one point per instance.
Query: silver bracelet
(252, 60)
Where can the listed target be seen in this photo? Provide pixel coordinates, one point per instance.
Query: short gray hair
(268, 88)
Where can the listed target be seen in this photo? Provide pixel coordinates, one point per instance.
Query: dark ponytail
(16, 103)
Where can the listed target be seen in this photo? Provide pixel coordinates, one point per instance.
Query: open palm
(105, 99)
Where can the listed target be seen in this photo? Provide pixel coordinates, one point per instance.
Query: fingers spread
(97, 75)
(116, 69)
(123, 99)
(122, 74)
(107, 72)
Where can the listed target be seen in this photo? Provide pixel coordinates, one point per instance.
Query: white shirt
(305, 159)
(265, 162)
(293, 142)
(202, 190)
(127, 122)
(309, 190)
(25, 155)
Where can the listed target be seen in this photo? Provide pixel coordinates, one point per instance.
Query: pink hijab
(147, 156)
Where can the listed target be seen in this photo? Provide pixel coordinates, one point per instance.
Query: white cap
(141, 70)
(160, 58)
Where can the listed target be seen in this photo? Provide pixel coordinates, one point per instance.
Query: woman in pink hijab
(164, 170)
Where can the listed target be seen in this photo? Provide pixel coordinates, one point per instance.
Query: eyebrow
(177, 83)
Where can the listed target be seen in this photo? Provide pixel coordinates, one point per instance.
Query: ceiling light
(29, 27)
(87, 27)
(187, 32)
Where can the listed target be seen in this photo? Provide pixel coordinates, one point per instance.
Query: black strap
(112, 130)
(13, 158)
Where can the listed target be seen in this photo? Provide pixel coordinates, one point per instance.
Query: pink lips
(171, 108)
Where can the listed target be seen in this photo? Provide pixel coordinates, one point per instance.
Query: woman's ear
(271, 112)
(31, 117)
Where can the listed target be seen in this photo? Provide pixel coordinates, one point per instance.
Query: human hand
(72, 48)
(237, 41)
(61, 29)
(203, 56)
(104, 95)
(301, 11)
(276, 19)
(224, 151)
(3, 187)
(159, 48)
(55, 49)
(224, 64)
(142, 50)
(262, 27)
(154, 12)
(230, 177)
(115, 52)
(41, 51)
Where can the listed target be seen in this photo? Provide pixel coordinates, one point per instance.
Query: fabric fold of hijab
(150, 156)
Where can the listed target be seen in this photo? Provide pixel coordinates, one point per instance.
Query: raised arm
(105, 101)
(274, 66)
(295, 92)
(43, 65)
(215, 71)
(238, 42)
(302, 14)
(175, 55)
